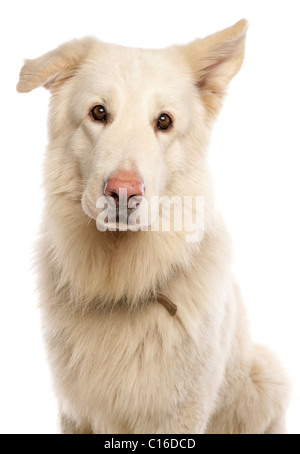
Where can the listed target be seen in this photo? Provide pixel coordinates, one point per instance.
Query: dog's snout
(125, 184)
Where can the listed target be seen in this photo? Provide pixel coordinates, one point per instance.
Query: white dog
(145, 328)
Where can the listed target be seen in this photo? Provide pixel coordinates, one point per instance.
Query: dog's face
(128, 121)
(131, 119)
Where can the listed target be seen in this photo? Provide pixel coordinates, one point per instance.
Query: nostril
(134, 201)
(114, 195)
(111, 193)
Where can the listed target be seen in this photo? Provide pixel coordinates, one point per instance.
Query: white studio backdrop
(254, 157)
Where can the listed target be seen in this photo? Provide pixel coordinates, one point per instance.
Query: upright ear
(53, 68)
(215, 60)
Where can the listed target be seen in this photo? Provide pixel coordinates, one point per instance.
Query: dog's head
(128, 125)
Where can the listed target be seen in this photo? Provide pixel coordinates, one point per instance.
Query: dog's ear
(215, 60)
(54, 67)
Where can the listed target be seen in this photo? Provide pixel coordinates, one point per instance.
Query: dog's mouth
(123, 219)
(112, 216)
(154, 213)
(118, 217)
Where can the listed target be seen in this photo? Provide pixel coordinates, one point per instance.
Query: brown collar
(171, 307)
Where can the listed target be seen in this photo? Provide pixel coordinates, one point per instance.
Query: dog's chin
(119, 225)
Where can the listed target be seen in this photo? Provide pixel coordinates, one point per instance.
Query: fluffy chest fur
(116, 359)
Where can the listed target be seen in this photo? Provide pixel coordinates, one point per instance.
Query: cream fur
(120, 362)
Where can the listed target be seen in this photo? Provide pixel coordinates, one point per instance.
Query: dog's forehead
(135, 68)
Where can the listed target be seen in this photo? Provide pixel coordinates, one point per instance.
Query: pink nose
(127, 185)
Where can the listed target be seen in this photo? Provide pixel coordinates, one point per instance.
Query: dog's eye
(99, 113)
(164, 122)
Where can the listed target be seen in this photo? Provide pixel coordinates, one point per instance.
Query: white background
(254, 154)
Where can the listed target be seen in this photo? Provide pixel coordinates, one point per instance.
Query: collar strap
(171, 307)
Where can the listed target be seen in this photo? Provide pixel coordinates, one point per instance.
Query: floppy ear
(215, 60)
(53, 68)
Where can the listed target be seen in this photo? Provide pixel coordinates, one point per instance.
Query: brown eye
(99, 113)
(164, 122)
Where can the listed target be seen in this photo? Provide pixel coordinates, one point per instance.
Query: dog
(145, 328)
